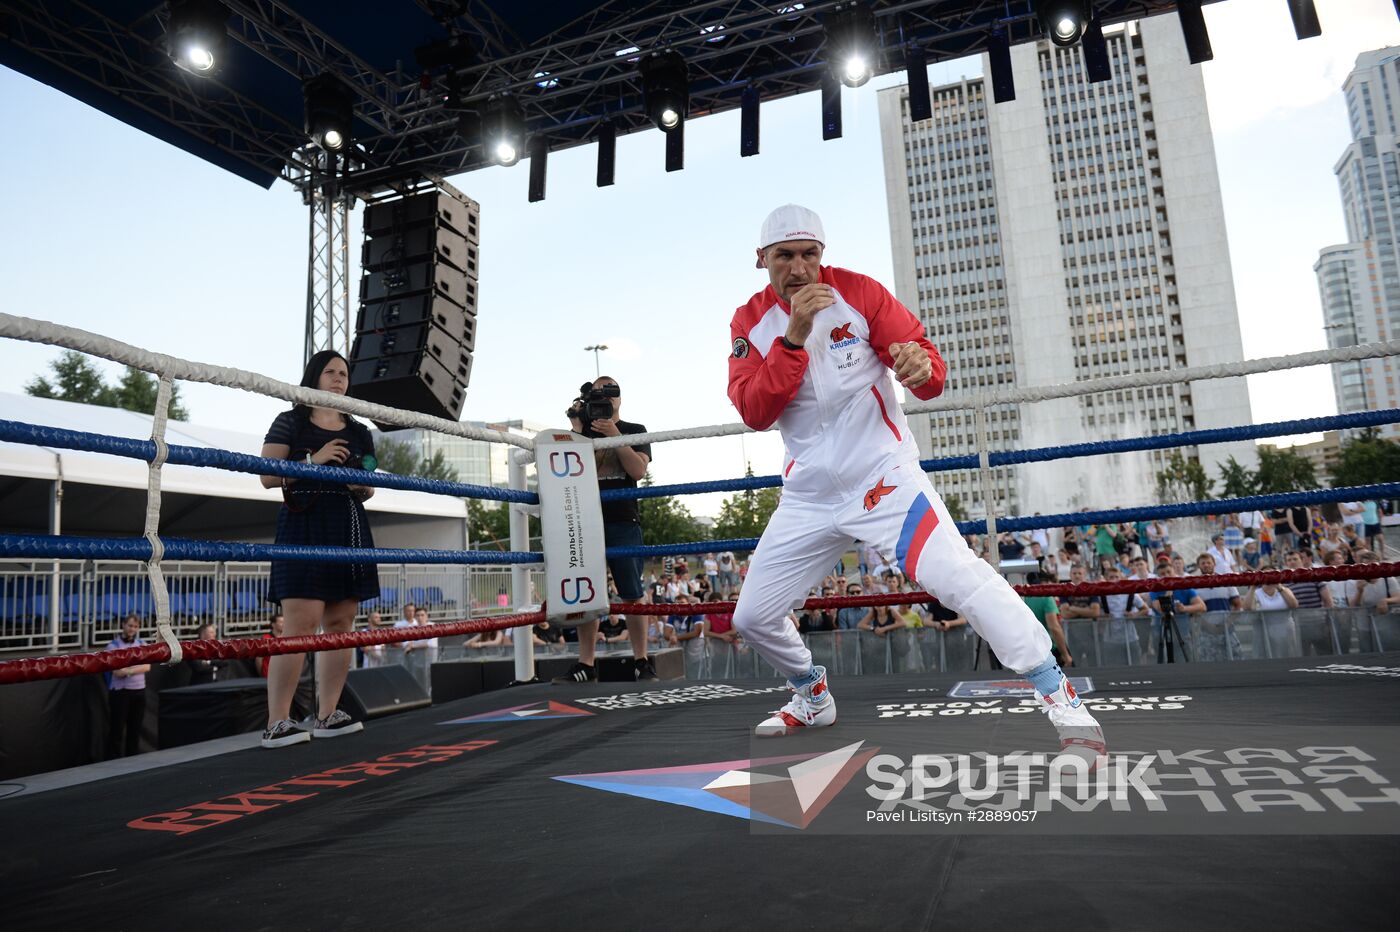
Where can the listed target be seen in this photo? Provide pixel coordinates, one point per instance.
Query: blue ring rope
(1145, 513)
(1043, 454)
(36, 435)
(48, 546)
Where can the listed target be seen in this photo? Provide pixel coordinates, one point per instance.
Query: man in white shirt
(1353, 513)
(728, 571)
(1224, 560)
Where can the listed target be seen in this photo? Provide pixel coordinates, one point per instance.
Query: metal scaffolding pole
(327, 263)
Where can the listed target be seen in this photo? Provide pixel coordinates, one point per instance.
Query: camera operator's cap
(790, 222)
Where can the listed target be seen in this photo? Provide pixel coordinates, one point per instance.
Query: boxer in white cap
(813, 353)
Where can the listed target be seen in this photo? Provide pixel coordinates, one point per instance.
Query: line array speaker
(416, 329)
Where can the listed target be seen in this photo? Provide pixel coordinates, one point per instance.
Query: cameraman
(595, 414)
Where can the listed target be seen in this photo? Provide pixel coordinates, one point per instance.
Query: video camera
(593, 404)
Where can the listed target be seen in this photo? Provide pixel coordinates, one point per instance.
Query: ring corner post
(520, 575)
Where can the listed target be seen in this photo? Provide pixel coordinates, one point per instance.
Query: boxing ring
(640, 805)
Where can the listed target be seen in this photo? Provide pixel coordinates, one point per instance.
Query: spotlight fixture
(665, 89)
(1305, 22)
(328, 112)
(748, 122)
(916, 70)
(831, 108)
(1063, 21)
(196, 34)
(1193, 31)
(1095, 46)
(503, 130)
(539, 154)
(850, 44)
(999, 58)
(607, 153)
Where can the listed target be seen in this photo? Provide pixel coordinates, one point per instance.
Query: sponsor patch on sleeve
(741, 348)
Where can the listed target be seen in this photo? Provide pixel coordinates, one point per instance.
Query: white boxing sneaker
(1080, 734)
(809, 707)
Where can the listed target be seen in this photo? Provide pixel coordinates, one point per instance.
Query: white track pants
(903, 518)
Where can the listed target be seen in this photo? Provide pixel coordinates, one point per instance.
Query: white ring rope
(39, 331)
(36, 331)
(1067, 389)
(1114, 383)
(164, 392)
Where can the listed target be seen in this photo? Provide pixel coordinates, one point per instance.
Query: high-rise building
(1073, 233)
(1359, 281)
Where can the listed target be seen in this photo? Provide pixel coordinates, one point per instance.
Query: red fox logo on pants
(872, 498)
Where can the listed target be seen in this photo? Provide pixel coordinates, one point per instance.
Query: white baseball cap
(790, 222)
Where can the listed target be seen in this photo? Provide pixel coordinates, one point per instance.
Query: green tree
(955, 507)
(1236, 480)
(746, 513)
(395, 457)
(76, 379)
(1283, 470)
(488, 523)
(1366, 459)
(666, 521)
(399, 458)
(1182, 480)
(139, 390)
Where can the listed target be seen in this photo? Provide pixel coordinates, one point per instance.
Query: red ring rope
(1158, 584)
(56, 667)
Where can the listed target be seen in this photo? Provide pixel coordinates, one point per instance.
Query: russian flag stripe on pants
(918, 525)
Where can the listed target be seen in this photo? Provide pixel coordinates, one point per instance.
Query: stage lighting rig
(665, 89)
(851, 48)
(1063, 21)
(328, 112)
(196, 35)
(503, 130)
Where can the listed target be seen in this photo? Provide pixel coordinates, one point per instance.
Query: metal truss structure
(568, 81)
(328, 324)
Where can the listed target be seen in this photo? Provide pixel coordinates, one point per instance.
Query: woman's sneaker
(810, 707)
(335, 725)
(578, 673)
(280, 734)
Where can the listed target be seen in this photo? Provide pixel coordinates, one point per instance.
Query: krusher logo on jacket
(842, 337)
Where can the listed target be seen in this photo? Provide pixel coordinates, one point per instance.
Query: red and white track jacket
(835, 398)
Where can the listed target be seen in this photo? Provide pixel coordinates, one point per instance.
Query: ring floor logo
(788, 791)
(1017, 688)
(533, 711)
(958, 775)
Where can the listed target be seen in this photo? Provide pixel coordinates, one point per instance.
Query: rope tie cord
(1159, 584)
(164, 391)
(50, 668)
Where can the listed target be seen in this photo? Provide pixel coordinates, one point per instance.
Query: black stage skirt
(323, 517)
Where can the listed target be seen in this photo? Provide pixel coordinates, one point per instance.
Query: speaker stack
(416, 328)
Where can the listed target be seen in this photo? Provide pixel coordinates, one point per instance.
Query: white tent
(105, 495)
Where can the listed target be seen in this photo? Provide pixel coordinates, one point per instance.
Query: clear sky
(112, 231)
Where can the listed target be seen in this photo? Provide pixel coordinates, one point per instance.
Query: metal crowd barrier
(94, 596)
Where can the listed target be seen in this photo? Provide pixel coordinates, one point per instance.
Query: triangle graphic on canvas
(789, 791)
(532, 710)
